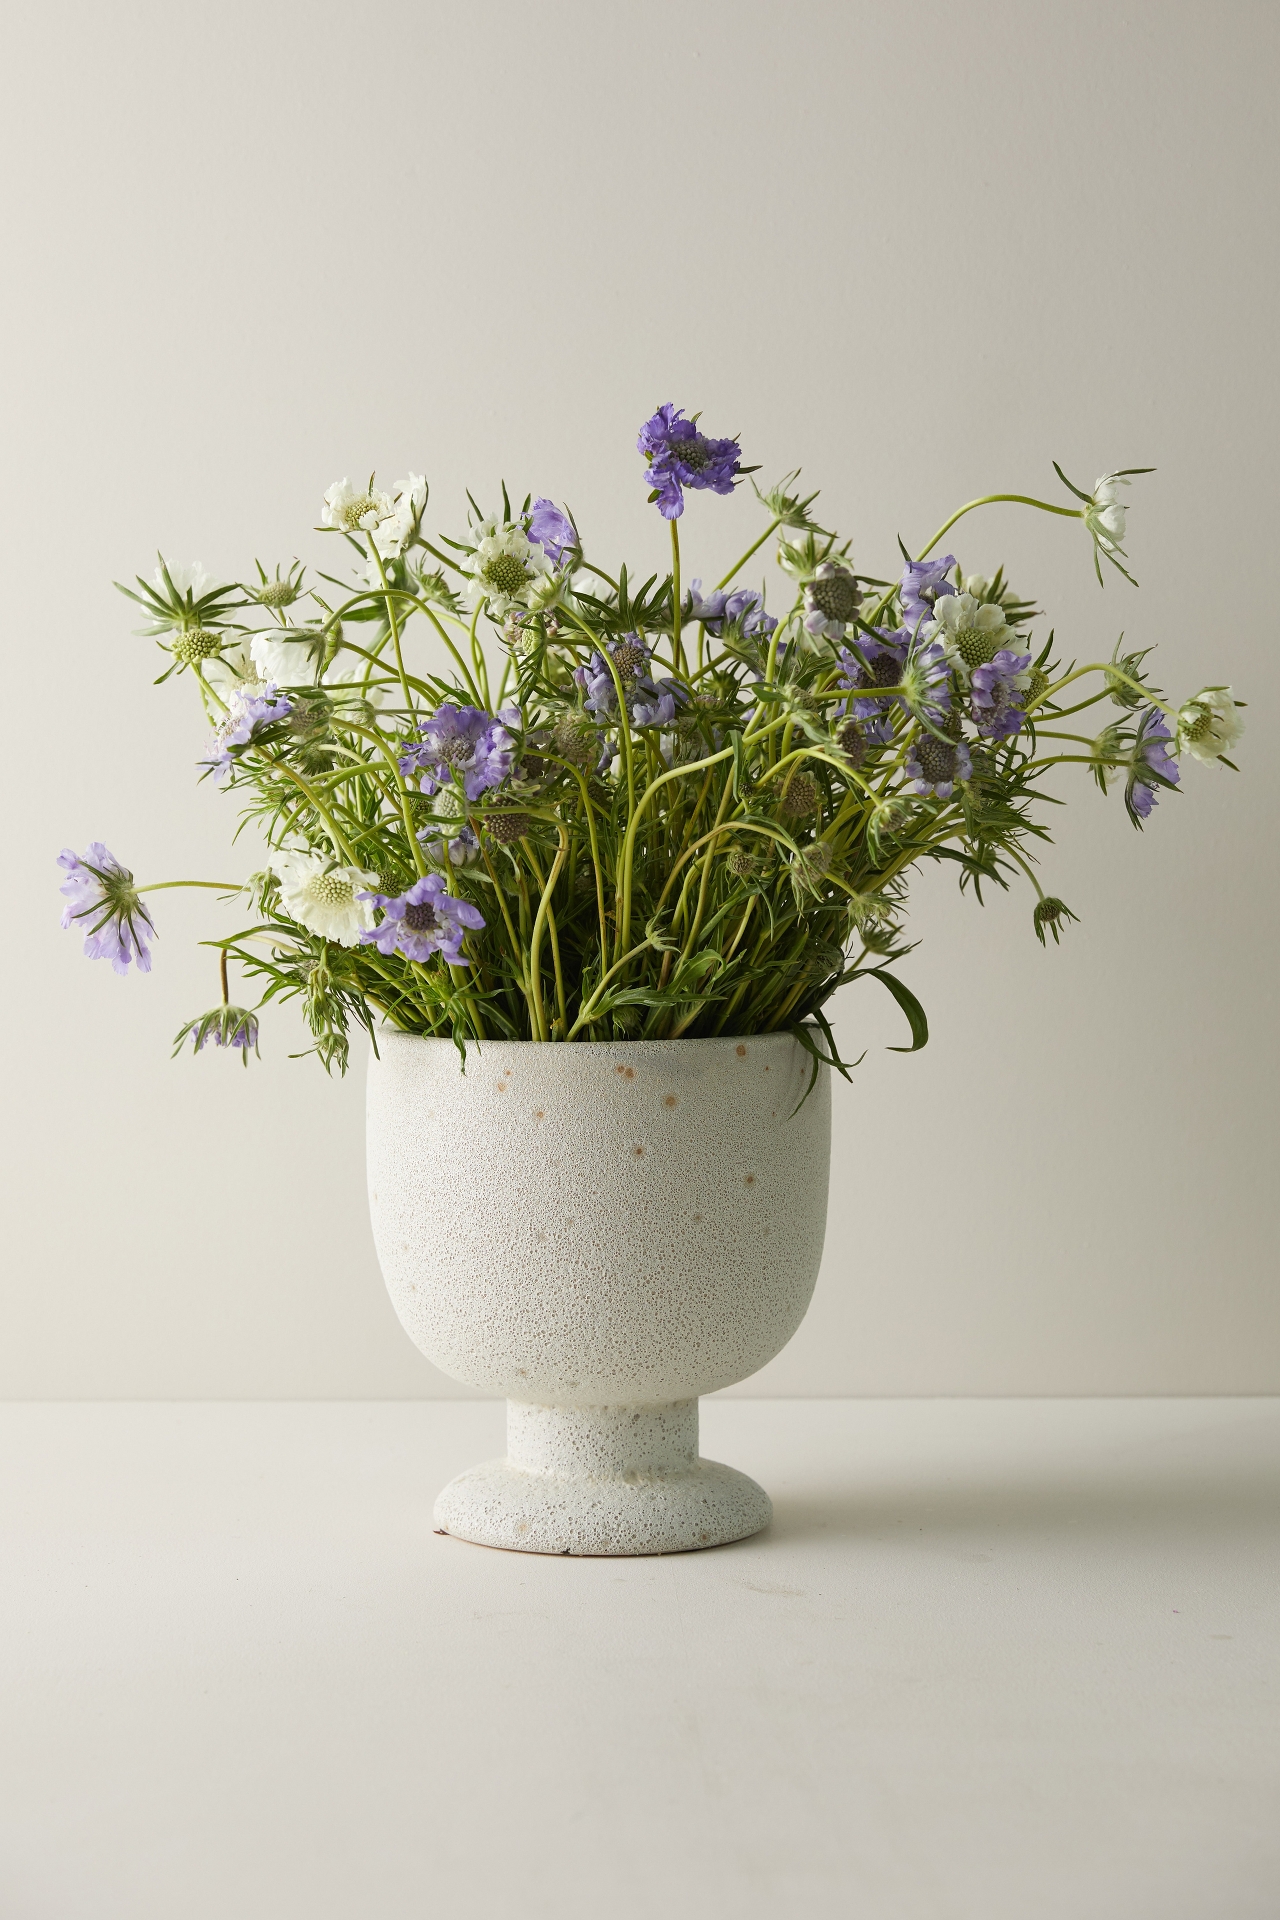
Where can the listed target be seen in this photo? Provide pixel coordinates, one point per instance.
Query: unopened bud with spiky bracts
(1050, 915)
(196, 643)
(800, 796)
(507, 828)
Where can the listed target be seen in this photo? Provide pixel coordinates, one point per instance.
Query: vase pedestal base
(602, 1480)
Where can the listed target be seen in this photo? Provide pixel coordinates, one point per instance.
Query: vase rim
(588, 1046)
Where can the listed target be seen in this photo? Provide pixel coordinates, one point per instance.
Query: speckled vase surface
(600, 1233)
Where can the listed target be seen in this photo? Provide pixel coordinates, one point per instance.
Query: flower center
(836, 595)
(975, 647)
(454, 752)
(1200, 726)
(505, 574)
(328, 891)
(628, 655)
(693, 452)
(420, 916)
(355, 510)
(937, 760)
(197, 643)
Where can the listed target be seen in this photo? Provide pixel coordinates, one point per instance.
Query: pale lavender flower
(650, 702)
(924, 583)
(934, 766)
(831, 601)
(225, 1026)
(421, 921)
(997, 690)
(463, 743)
(101, 894)
(463, 850)
(743, 608)
(679, 456)
(553, 531)
(883, 654)
(1151, 766)
(250, 708)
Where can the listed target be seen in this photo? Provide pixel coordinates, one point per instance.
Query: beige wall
(919, 248)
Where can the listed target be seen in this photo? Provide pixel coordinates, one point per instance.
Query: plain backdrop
(920, 249)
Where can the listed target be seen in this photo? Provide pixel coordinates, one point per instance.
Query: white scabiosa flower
(1105, 514)
(323, 898)
(1209, 724)
(505, 568)
(972, 632)
(191, 579)
(356, 509)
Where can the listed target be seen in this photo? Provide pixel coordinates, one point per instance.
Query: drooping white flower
(505, 567)
(323, 898)
(1105, 514)
(1210, 723)
(356, 509)
(972, 631)
(390, 534)
(186, 579)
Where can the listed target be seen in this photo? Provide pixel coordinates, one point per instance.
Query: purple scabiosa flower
(924, 583)
(883, 654)
(463, 743)
(650, 702)
(421, 921)
(934, 766)
(462, 850)
(743, 608)
(831, 601)
(997, 690)
(101, 894)
(251, 706)
(1150, 766)
(553, 531)
(679, 456)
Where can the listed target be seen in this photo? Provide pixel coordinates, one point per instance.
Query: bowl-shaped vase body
(601, 1233)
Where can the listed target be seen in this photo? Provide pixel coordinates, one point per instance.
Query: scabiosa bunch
(602, 810)
(678, 456)
(103, 901)
(463, 744)
(421, 921)
(1150, 766)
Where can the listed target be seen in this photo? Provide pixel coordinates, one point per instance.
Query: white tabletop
(995, 1660)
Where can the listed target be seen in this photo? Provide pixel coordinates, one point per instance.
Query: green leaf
(915, 1013)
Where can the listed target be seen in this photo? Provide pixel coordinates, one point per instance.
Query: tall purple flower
(924, 583)
(421, 921)
(679, 456)
(881, 665)
(100, 892)
(743, 608)
(463, 743)
(997, 690)
(1150, 766)
(553, 531)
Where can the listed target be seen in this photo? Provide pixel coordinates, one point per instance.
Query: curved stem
(755, 547)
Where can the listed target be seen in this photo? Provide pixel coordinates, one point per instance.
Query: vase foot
(502, 1505)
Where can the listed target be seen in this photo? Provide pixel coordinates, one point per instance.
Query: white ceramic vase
(600, 1233)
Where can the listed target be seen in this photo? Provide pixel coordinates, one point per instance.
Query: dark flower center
(627, 656)
(836, 595)
(420, 916)
(882, 670)
(506, 574)
(454, 752)
(937, 759)
(693, 452)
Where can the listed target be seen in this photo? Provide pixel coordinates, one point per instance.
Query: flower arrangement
(508, 793)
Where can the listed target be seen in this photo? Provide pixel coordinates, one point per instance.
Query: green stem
(677, 611)
(755, 547)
